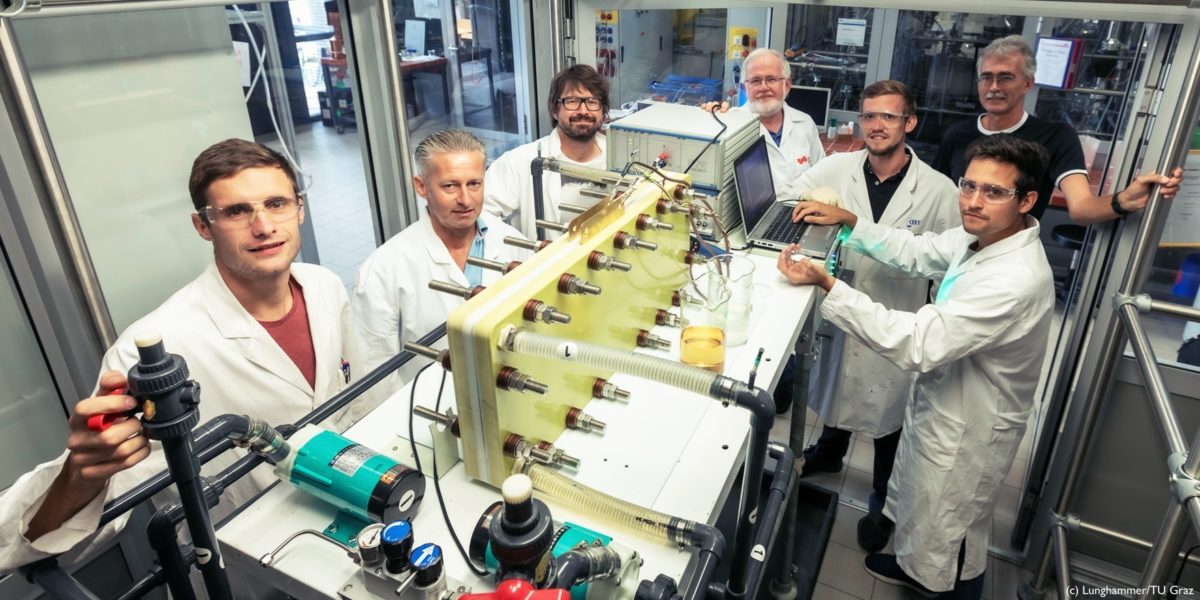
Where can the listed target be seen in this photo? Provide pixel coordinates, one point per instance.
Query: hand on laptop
(822, 214)
(803, 271)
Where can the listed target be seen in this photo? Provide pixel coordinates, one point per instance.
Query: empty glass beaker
(703, 303)
(739, 273)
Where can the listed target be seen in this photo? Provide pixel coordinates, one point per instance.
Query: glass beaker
(703, 303)
(739, 273)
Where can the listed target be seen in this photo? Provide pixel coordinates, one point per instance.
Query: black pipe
(57, 582)
(145, 585)
(781, 486)
(582, 565)
(536, 166)
(710, 546)
(210, 438)
(762, 416)
(160, 379)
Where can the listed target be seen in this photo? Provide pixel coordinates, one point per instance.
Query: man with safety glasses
(854, 389)
(977, 350)
(262, 335)
(1005, 75)
(578, 106)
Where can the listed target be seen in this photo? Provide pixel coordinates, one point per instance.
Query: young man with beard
(392, 300)
(1006, 74)
(263, 336)
(578, 107)
(793, 142)
(854, 388)
(978, 352)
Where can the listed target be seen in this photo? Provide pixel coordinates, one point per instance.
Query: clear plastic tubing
(686, 377)
(625, 515)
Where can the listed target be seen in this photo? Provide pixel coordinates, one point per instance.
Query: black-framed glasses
(573, 102)
(888, 118)
(991, 193)
(236, 216)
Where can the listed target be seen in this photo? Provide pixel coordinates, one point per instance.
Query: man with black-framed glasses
(1005, 75)
(262, 335)
(578, 106)
(977, 351)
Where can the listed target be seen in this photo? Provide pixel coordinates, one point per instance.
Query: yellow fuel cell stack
(503, 395)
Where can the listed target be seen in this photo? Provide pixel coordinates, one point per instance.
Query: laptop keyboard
(783, 230)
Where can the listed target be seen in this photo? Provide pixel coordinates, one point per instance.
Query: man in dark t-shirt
(1006, 70)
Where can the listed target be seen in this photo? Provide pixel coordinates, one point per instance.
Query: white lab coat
(978, 351)
(799, 149)
(853, 387)
(240, 369)
(508, 185)
(392, 300)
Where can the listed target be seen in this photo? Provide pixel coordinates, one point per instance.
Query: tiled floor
(842, 575)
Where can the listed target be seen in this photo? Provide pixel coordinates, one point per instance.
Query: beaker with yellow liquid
(704, 305)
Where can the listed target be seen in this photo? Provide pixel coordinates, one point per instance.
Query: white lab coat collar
(235, 323)
(901, 201)
(440, 255)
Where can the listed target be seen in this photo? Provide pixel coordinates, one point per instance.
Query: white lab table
(668, 450)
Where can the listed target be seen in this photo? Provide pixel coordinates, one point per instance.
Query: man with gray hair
(1006, 73)
(794, 143)
(392, 301)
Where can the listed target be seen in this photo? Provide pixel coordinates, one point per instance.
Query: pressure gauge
(369, 545)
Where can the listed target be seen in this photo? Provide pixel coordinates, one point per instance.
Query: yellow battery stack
(628, 302)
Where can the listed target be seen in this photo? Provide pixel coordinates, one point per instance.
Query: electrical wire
(437, 487)
(713, 112)
(305, 178)
(1179, 574)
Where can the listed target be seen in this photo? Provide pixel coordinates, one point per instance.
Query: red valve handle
(103, 421)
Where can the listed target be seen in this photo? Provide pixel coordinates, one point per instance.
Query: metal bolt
(456, 290)
(624, 241)
(598, 261)
(668, 319)
(645, 222)
(512, 379)
(570, 284)
(577, 419)
(539, 312)
(646, 339)
(551, 225)
(602, 388)
(526, 244)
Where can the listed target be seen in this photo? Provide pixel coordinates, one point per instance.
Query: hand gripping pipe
(693, 379)
(633, 518)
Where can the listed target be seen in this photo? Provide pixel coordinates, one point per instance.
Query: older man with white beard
(795, 144)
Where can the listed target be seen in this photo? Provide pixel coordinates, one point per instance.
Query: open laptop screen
(752, 176)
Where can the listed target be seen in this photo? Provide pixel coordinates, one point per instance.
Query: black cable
(437, 487)
(714, 139)
(1179, 575)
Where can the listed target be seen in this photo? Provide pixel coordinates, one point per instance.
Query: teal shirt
(475, 274)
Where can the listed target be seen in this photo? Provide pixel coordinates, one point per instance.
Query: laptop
(769, 226)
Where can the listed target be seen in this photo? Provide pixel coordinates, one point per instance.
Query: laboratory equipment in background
(677, 138)
(1107, 65)
(935, 54)
(828, 47)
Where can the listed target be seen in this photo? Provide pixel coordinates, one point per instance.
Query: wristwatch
(1116, 206)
